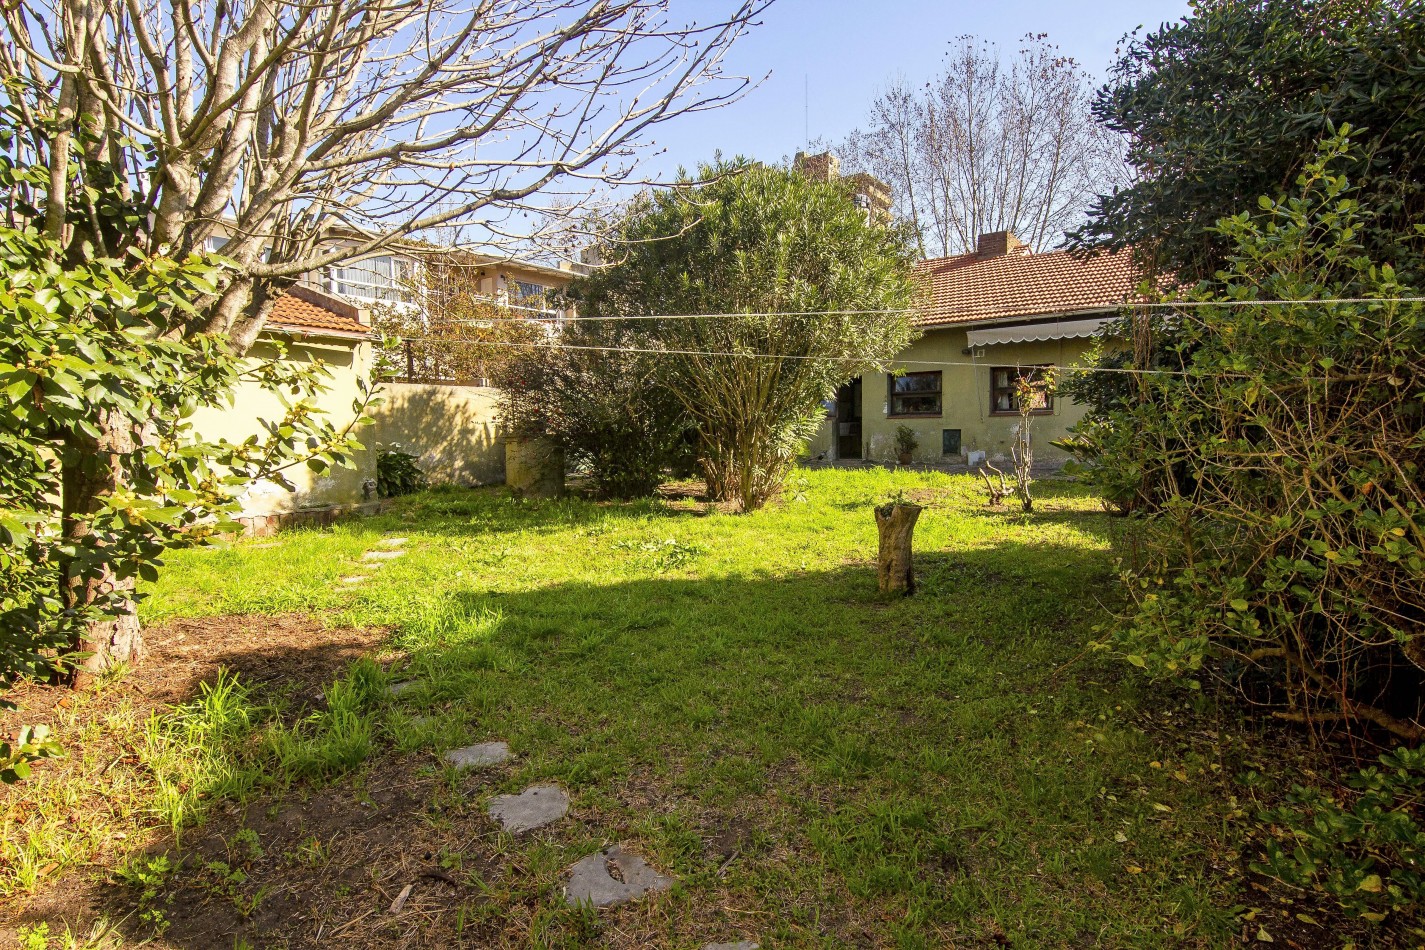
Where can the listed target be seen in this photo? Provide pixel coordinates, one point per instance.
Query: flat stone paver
(478, 756)
(612, 877)
(354, 579)
(382, 555)
(535, 807)
(396, 689)
(392, 542)
(739, 945)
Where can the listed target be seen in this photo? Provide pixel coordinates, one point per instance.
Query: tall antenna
(806, 110)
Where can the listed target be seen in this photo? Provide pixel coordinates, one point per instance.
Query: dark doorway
(848, 420)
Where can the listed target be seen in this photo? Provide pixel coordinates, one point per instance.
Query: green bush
(1289, 538)
(607, 404)
(1367, 850)
(397, 473)
(1276, 479)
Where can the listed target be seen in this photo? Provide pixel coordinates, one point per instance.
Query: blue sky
(846, 50)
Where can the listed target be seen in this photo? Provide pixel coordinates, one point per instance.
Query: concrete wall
(451, 430)
(348, 361)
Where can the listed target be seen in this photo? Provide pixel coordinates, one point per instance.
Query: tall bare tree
(288, 122)
(992, 143)
(293, 117)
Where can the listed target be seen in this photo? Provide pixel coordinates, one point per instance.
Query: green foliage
(148, 876)
(102, 470)
(34, 937)
(397, 473)
(1231, 101)
(1367, 849)
(662, 556)
(228, 744)
(1289, 536)
(607, 404)
(30, 744)
(791, 266)
(906, 442)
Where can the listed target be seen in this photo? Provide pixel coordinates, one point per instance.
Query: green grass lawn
(729, 697)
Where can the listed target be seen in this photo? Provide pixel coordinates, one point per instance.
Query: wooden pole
(895, 522)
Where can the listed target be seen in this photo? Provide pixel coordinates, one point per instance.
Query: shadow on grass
(781, 744)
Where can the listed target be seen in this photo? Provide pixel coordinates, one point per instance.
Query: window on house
(530, 294)
(915, 394)
(1004, 396)
(373, 278)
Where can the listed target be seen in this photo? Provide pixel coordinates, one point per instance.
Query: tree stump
(895, 523)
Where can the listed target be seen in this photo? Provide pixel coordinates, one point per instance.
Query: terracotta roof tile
(972, 288)
(306, 310)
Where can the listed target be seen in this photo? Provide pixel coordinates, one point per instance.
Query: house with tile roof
(990, 316)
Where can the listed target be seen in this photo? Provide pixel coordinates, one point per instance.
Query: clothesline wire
(654, 351)
(1107, 308)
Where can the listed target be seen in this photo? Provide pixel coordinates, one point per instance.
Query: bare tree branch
(283, 122)
(990, 145)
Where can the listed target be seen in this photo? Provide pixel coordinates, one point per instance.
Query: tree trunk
(895, 523)
(93, 469)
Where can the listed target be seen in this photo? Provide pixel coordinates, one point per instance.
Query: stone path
(535, 807)
(612, 877)
(374, 559)
(478, 756)
(609, 877)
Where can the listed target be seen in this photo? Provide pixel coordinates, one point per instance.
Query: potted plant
(906, 443)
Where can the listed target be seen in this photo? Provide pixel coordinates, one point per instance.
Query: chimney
(1000, 244)
(822, 166)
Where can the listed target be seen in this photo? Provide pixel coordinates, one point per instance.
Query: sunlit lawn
(729, 697)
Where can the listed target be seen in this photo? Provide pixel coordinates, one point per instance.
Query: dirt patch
(96, 800)
(395, 854)
(184, 653)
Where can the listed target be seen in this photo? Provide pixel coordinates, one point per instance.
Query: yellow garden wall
(348, 361)
(451, 430)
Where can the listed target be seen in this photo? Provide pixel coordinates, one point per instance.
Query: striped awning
(1028, 332)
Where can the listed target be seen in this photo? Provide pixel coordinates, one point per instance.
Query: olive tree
(789, 290)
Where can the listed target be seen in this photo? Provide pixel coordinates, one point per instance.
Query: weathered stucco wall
(252, 405)
(965, 399)
(450, 429)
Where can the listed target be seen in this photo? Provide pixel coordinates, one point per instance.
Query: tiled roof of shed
(973, 288)
(306, 311)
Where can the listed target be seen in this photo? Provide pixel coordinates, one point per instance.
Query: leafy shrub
(1367, 851)
(397, 473)
(808, 294)
(605, 403)
(30, 744)
(1276, 477)
(1290, 535)
(906, 442)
